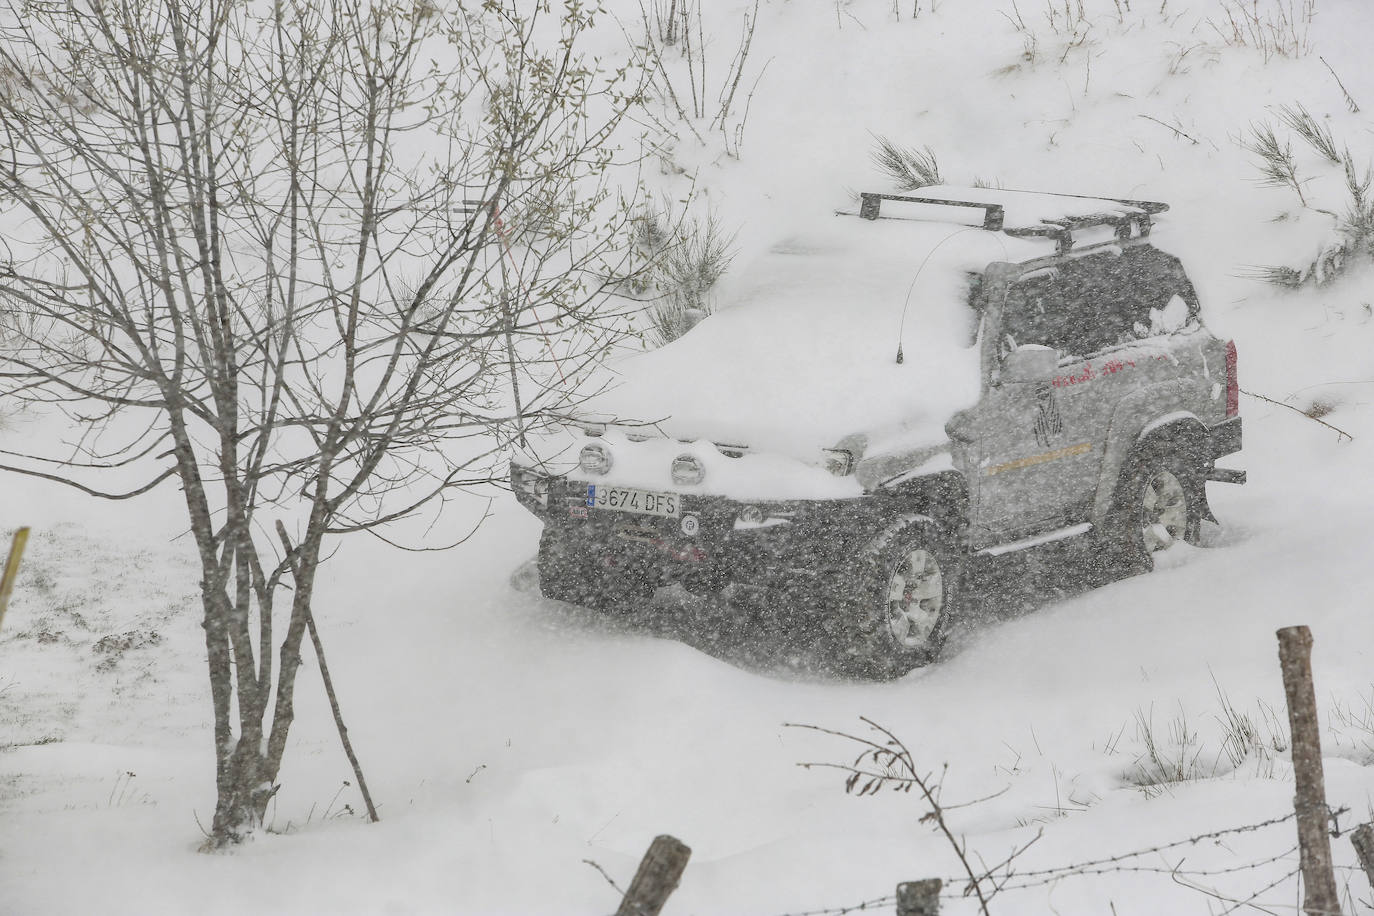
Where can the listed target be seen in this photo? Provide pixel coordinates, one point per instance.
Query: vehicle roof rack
(871, 204)
(1127, 225)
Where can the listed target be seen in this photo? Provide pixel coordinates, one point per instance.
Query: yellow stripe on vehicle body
(1066, 452)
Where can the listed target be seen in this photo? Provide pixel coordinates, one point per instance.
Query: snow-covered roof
(802, 350)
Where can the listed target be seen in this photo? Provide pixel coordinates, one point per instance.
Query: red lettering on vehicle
(1075, 377)
(1088, 373)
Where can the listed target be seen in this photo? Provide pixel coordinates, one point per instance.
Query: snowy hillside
(509, 740)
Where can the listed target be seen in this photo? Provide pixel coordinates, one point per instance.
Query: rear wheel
(1160, 503)
(894, 613)
(1163, 510)
(571, 569)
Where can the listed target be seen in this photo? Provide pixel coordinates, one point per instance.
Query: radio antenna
(901, 325)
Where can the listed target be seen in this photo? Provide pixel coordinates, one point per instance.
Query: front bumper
(710, 542)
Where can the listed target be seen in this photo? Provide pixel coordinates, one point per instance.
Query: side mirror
(1030, 363)
(960, 426)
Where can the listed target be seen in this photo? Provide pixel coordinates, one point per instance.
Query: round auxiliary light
(595, 458)
(687, 470)
(751, 515)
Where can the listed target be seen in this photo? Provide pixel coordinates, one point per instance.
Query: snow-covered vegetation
(509, 740)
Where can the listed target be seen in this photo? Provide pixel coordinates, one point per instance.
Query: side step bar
(1048, 537)
(1226, 475)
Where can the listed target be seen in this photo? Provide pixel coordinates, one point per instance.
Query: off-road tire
(571, 570)
(1160, 499)
(892, 611)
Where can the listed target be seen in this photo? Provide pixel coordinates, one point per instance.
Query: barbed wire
(1011, 885)
(1111, 865)
(1248, 901)
(1164, 847)
(889, 900)
(885, 762)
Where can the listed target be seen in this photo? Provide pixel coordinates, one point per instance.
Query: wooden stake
(329, 692)
(21, 537)
(1363, 841)
(1314, 854)
(919, 898)
(338, 718)
(657, 877)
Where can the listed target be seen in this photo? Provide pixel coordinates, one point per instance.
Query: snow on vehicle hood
(802, 351)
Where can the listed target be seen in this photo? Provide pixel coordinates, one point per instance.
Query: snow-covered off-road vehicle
(887, 398)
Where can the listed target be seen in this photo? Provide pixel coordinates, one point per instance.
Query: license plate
(627, 499)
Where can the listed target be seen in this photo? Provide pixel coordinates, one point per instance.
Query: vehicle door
(1031, 471)
(1099, 313)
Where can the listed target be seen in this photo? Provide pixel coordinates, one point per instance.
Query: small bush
(1276, 164)
(1258, 738)
(684, 260)
(1166, 757)
(1313, 132)
(908, 167)
(1275, 28)
(123, 642)
(680, 79)
(1353, 235)
(1352, 726)
(1177, 753)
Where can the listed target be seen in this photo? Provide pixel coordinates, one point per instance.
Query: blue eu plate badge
(591, 495)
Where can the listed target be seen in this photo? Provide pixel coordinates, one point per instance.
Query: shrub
(1275, 28)
(908, 167)
(684, 260)
(1353, 225)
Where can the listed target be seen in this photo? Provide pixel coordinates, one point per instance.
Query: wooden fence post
(1309, 803)
(21, 537)
(1363, 841)
(919, 898)
(657, 877)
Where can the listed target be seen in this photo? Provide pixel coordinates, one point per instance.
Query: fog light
(595, 458)
(839, 461)
(751, 518)
(687, 470)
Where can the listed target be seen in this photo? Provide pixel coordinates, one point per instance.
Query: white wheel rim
(1163, 510)
(915, 597)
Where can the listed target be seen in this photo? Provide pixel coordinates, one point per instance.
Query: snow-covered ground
(507, 738)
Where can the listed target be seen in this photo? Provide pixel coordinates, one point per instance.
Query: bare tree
(315, 261)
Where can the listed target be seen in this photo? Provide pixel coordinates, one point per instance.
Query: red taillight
(1232, 382)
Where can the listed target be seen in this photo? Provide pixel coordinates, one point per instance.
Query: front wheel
(895, 610)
